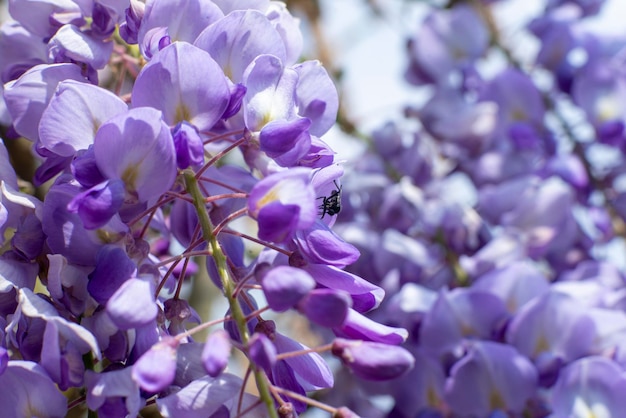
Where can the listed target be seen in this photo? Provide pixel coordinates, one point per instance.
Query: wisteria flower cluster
(171, 136)
(493, 216)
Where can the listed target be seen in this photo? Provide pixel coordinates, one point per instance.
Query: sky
(371, 50)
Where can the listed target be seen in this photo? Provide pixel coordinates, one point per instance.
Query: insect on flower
(332, 204)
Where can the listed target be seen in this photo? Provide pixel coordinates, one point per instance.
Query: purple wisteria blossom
(165, 136)
(461, 260)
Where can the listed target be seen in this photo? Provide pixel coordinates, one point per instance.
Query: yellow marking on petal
(496, 401)
(542, 345)
(467, 330)
(607, 108)
(182, 113)
(431, 397)
(271, 196)
(129, 177)
(518, 115)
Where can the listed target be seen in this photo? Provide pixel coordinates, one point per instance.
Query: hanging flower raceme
(200, 138)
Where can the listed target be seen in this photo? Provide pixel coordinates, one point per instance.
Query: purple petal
(4, 359)
(320, 245)
(25, 386)
(365, 295)
(286, 141)
(112, 385)
(155, 369)
(27, 98)
(262, 351)
(183, 19)
(594, 385)
(289, 192)
(137, 147)
(191, 86)
(270, 92)
(311, 367)
(20, 50)
(44, 18)
(316, 96)
(278, 222)
(326, 307)
(113, 267)
(87, 106)
(133, 305)
(61, 359)
(188, 145)
(284, 286)
(237, 39)
(552, 324)
(360, 327)
(216, 352)
(373, 361)
(97, 205)
(201, 397)
(70, 43)
(491, 376)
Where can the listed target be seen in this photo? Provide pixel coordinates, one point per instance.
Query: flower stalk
(191, 183)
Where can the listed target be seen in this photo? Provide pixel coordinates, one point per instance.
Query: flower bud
(262, 351)
(216, 353)
(373, 361)
(156, 368)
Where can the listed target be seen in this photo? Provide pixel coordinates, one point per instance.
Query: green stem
(218, 255)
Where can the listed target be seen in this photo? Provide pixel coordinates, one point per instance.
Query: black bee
(332, 204)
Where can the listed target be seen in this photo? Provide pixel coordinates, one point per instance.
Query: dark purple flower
(320, 245)
(286, 142)
(326, 307)
(360, 327)
(129, 29)
(113, 393)
(311, 370)
(113, 267)
(373, 361)
(262, 351)
(365, 295)
(97, 205)
(284, 286)
(85, 169)
(282, 203)
(188, 145)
